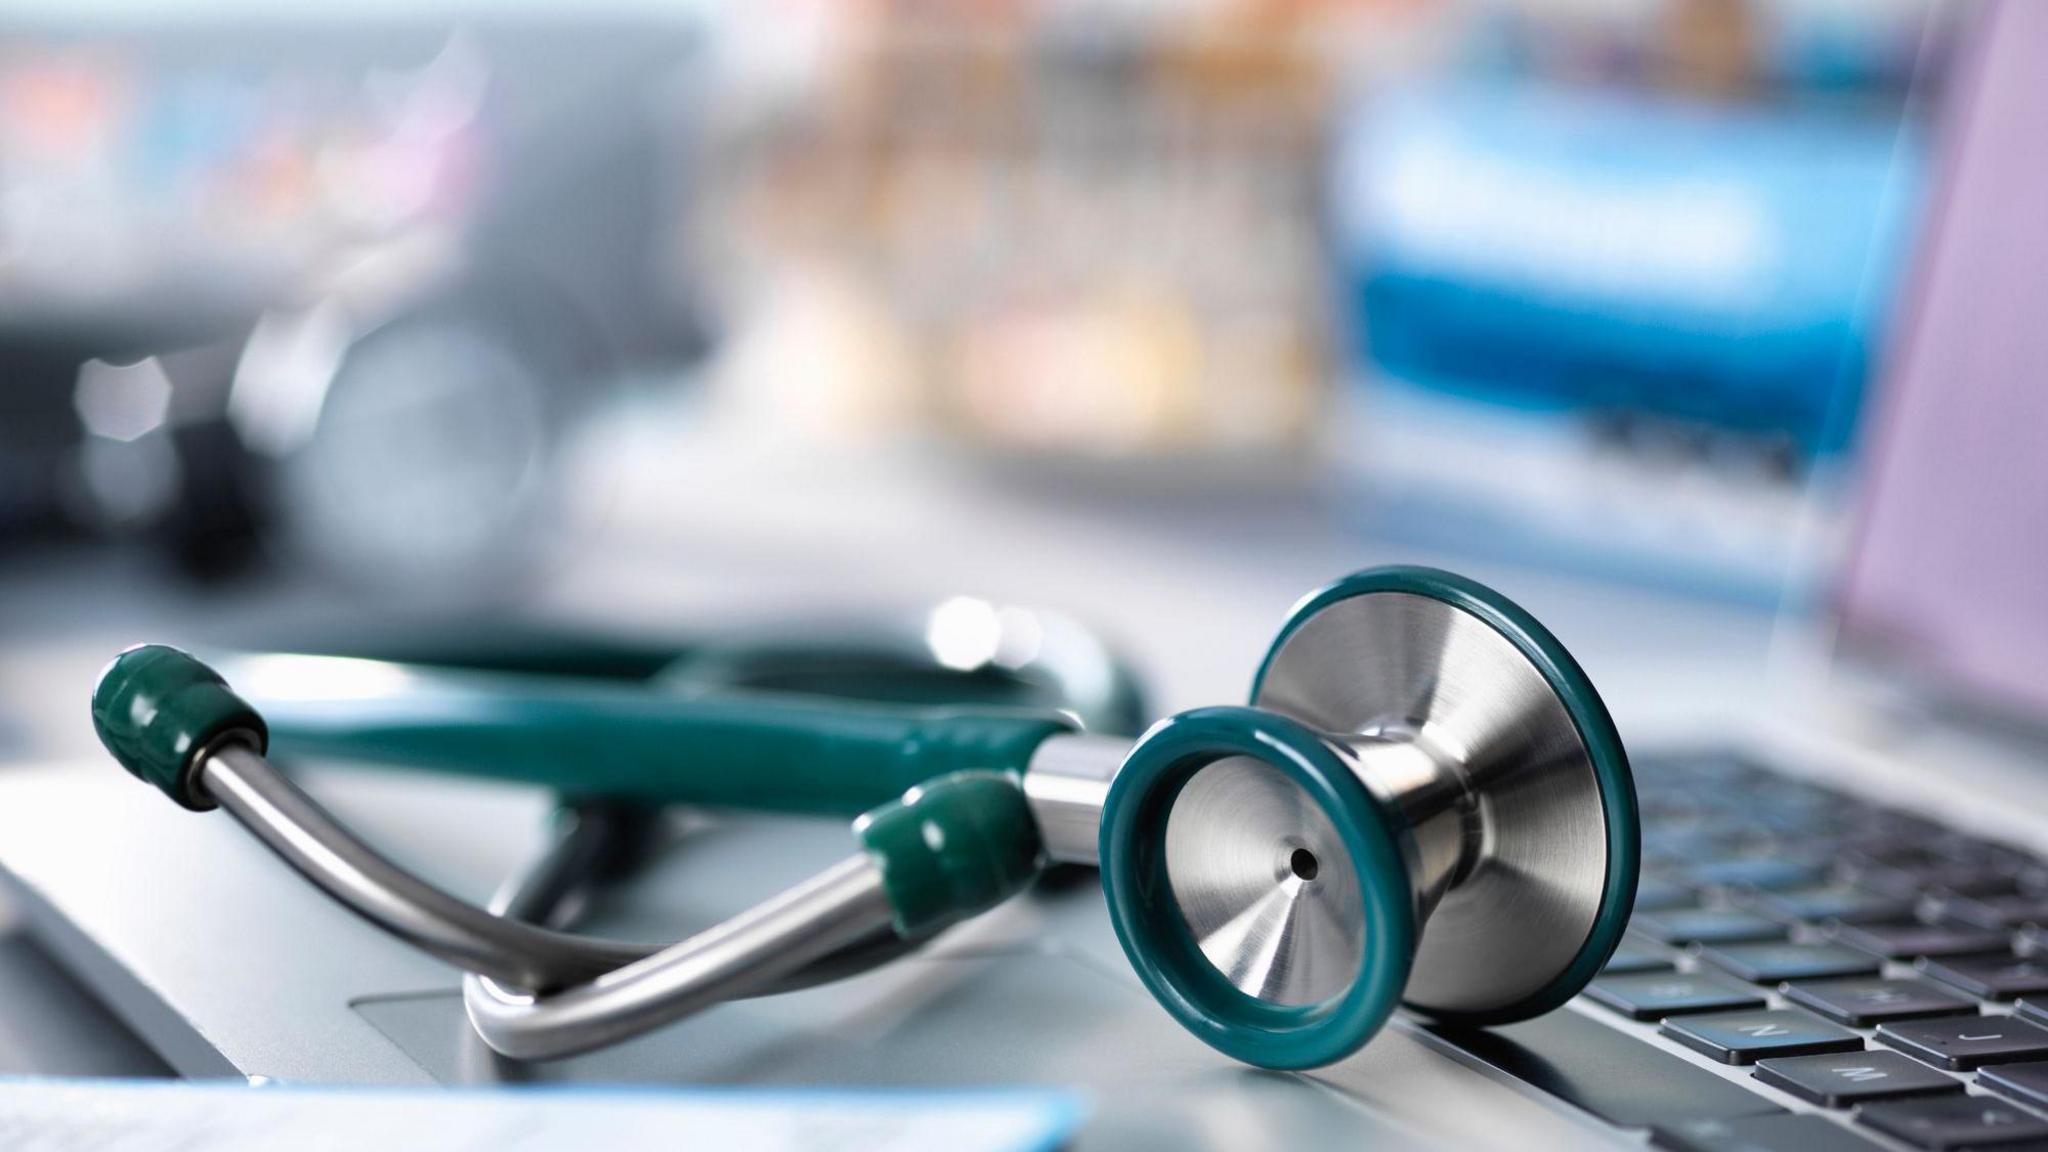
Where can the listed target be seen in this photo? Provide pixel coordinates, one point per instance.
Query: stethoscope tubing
(592, 842)
(744, 956)
(537, 992)
(301, 832)
(837, 920)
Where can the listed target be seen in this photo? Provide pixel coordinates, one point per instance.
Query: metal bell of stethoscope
(1426, 805)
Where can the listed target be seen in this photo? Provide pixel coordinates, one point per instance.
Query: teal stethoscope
(1426, 804)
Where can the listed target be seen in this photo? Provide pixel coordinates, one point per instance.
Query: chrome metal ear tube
(825, 929)
(743, 956)
(611, 990)
(832, 917)
(552, 889)
(499, 945)
(949, 848)
(302, 833)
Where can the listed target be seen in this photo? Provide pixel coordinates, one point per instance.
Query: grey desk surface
(49, 1026)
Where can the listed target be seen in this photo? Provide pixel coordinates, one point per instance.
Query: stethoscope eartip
(157, 709)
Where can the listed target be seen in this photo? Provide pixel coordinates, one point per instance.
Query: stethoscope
(1425, 805)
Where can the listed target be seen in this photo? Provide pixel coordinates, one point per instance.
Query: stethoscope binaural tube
(950, 847)
(1426, 806)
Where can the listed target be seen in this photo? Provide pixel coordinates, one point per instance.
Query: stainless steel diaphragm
(1427, 804)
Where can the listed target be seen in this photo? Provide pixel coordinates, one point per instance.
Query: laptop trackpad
(1017, 1017)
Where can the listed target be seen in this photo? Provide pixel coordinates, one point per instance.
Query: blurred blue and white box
(1613, 329)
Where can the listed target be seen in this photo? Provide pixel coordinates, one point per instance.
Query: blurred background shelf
(415, 303)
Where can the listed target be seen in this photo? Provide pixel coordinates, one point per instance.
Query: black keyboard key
(1942, 878)
(1958, 879)
(1774, 963)
(1709, 926)
(1754, 872)
(1842, 1080)
(1945, 1122)
(2026, 1081)
(2034, 939)
(1629, 958)
(1866, 1002)
(1990, 977)
(1655, 995)
(2034, 1010)
(2013, 910)
(1970, 1042)
(1761, 1134)
(1896, 826)
(1674, 845)
(1829, 902)
(1709, 766)
(1962, 847)
(1607, 1072)
(1746, 1037)
(1880, 856)
(1654, 895)
(1905, 939)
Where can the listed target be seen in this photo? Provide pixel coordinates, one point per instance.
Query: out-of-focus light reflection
(1021, 636)
(128, 482)
(282, 379)
(317, 678)
(122, 401)
(964, 633)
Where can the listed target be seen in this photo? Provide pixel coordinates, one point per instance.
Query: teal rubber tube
(952, 848)
(949, 841)
(736, 751)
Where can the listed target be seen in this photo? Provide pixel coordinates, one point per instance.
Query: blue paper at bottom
(149, 1116)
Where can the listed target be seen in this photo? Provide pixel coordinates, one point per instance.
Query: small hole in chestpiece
(1303, 864)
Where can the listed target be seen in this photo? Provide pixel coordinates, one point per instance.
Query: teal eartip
(155, 708)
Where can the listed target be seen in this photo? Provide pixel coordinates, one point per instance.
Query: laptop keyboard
(1805, 971)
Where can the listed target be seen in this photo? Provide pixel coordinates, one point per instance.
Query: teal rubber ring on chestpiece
(1588, 715)
(1156, 937)
(1154, 930)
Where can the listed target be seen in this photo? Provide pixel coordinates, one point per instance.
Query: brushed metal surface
(1524, 895)
(1067, 784)
(1264, 883)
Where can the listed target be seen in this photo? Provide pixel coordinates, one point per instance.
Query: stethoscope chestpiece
(1427, 806)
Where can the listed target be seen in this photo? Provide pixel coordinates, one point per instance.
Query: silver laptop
(1845, 858)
